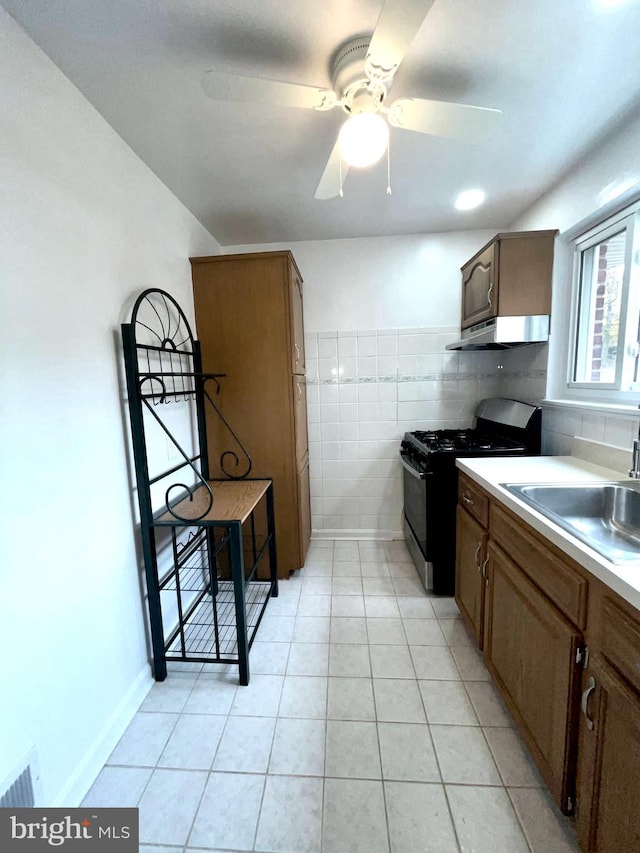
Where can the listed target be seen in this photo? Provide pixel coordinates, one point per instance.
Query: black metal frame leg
(271, 524)
(237, 573)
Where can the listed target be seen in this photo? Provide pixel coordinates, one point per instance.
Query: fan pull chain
(341, 193)
(389, 167)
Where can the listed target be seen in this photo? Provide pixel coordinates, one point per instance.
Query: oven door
(415, 500)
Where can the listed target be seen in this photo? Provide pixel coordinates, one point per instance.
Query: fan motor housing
(348, 66)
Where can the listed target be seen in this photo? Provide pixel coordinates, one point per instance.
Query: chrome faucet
(634, 471)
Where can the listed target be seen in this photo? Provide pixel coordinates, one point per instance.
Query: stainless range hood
(504, 333)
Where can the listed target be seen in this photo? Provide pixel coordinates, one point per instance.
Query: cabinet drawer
(560, 582)
(620, 641)
(473, 499)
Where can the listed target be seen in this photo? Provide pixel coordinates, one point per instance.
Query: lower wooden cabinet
(608, 792)
(564, 651)
(531, 650)
(608, 807)
(470, 580)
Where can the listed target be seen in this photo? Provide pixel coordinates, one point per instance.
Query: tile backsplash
(560, 424)
(365, 389)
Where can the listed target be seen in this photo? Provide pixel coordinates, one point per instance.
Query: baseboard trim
(85, 774)
(375, 535)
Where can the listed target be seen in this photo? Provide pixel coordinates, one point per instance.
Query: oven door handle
(419, 475)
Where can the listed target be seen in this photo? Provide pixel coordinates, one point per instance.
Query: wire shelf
(200, 630)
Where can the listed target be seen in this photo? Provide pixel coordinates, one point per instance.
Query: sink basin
(605, 516)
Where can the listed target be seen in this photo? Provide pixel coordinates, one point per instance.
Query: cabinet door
(304, 504)
(300, 417)
(297, 321)
(530, 648)
(608, 811)
(480, 287)
(470, 585)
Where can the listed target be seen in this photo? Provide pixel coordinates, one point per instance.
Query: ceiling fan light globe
(363, 139)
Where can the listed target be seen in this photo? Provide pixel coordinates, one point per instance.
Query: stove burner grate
(448, 440)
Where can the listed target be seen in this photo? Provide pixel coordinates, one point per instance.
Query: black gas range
(503, 428)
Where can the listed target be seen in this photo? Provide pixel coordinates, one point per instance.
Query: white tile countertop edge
(490, 472)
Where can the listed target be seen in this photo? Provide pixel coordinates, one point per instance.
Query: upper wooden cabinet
(249, 321)
(509, 277)
(297, 356)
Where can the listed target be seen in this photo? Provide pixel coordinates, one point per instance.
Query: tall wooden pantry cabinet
(248, 311)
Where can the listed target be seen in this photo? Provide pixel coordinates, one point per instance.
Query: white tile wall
(365, 389)
(523, 372)
(560, 425)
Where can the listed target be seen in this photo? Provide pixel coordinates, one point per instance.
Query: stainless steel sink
(605, 516)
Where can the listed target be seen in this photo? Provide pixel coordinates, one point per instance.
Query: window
(606, 313)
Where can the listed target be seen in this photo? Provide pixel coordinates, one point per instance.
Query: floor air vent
(18, 790)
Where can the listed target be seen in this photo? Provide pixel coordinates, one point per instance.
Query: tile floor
(370, 724)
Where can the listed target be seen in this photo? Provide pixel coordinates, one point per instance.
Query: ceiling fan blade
(397, 26)
(439, 118)
(235, 87)
(329, 186)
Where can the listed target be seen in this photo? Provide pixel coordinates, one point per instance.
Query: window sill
(605, 409)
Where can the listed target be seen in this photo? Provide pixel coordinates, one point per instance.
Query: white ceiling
(563, 72)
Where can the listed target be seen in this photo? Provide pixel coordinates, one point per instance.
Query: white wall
(586, 193)
(84, 227)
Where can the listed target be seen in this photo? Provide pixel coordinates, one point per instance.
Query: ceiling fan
(363, 72)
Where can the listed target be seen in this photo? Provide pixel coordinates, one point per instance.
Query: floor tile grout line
(324, 779)
(201, 798)
(324, 775)
(266, 776)
(506, 789)
(520, 824)
(493, 755)
(437, 760)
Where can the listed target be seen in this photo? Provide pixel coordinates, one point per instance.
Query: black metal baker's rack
(201, 549)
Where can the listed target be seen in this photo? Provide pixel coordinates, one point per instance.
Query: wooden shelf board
(233, 501)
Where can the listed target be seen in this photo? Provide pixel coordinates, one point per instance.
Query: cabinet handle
(484, 571)
(489, 292)
(585, 701)
(467, 499)
(299, 390)
(297, 352)
(475, 556)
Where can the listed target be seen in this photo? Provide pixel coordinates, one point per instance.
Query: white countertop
(490, 472)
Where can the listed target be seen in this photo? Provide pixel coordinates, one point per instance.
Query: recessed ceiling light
(469, 199)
